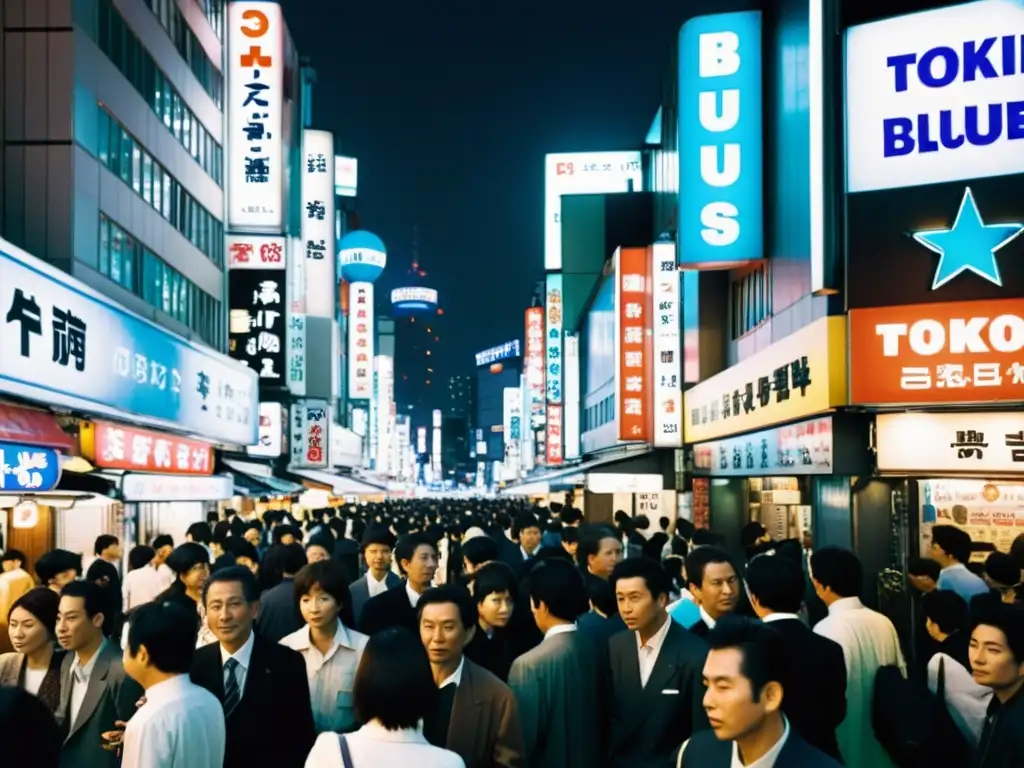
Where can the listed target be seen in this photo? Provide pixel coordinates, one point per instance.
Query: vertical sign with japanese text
(534, 355)
(308, 434)
(553, 342)
(256, 252)
(255, 107)
(318, 222)
(553, 453)
(632, 292)
(257, 321)
(360, 341)
(668, 393)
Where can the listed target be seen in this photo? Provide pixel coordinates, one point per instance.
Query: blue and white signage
(28, 467)
(935, 96)
(553, 327)
(720, 153)
(65, 344)
(501, 352)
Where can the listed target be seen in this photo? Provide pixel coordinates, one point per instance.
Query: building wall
(419, 385)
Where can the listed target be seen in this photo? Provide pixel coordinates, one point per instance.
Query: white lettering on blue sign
(28, 468)
(936, 96)
(501, 352)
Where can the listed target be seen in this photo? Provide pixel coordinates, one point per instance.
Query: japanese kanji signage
(960, 352)
(257, 322)
(273, 420)
(798, 376)
(668, 391)
(296, 340)
(318, 223)
(256, 252)
(360, 341)
(308, 435)
(535, 364)
(553, 442)
(65, 344)
(985, 441)
(633, 291)
(115, 446)
(255, 106)
(553, 343)
(804, 448)
(28, 467)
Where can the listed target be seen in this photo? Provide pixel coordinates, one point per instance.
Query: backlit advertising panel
(554, 435)
(571, 415)
(535, 364)
(668, 392)
(318, 223)
(360, 341)
(553, 343)
(346, 176)
(633, 302)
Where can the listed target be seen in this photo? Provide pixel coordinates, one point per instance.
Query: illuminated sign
(271, 436)
(28, 467)
(553, 353)
(256, 252)
(571, 415)
(985, 441)
(934, 96)
(554, 434)
(115, 446)
(535, 364)
(309, 433)
(346, 176)
(970, 245)
(512, 416)
(720, 218)
(255, 106)
(421, 440)
(501, 352)
(422, 296)
(256, 321)
(360, 341)
(632, 292)
(583, 173)
(797, 449)
(318, 222)
(668, 391)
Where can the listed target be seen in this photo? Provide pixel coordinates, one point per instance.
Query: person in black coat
(997, 661)
(261, 684)
(416, 554)
(815, 697)
(279, 612)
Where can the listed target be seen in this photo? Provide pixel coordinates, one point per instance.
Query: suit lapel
(664, 667)
(64, 708)
(93, 691)
(466, 712)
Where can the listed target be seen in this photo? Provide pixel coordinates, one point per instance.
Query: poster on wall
(991, 512)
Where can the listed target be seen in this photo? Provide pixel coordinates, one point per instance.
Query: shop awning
(339, 485)
(254, 479)
(569, 476)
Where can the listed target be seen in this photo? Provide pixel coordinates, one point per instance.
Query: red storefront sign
(27, 427)
(115, 446)
(634, 395)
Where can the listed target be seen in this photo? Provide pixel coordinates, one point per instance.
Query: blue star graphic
(969, 245)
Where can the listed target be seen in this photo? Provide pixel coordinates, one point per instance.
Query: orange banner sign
(115, 446)
(633, 299)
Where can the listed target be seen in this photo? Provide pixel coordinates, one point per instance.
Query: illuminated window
(428, 353)
(428, 382)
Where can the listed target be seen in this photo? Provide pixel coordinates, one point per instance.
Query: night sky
(450, 109)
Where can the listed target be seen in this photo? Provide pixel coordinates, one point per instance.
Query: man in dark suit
(714, 582)
(746, 674)
(95, 692)
(248, 674)
(417, 560)
(376, 546)
(815, 701)
(279, 611)
(656, 667)
(526, 530)
(602, 621)
(477, 716)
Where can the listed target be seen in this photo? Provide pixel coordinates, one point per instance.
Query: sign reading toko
(935, 96)
(720, 166)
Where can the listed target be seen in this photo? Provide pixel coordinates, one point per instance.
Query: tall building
(461, 396)
(113, 151)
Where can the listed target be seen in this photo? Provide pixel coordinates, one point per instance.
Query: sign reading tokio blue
(63, 343)
(720, 153)
(28, 467)
(936, 96)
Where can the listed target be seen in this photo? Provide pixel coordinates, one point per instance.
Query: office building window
(750, 301)
(189, 47)
(125, 50)
(119, 151)
(136, 268)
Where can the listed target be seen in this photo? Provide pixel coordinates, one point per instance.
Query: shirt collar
(526, 554)
(341, 639)
(780, 616)
(956, 567)
(414, 596)
(655, 641)
(559, 629)
(455, 678)
(84, 671)
(166, 690)
(369, 578)
(769, 758)
(845, 604)
(706, 618)
(243, 655)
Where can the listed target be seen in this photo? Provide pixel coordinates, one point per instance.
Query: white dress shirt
(374, 745)
(181, 725)
(455, 678)
(767, 760)
(331, 675)
(375, 587)
(414, 596)
(648, 653)
(559, 629)
(80, 675)
(706, 618)
(243, 656)
(143, 585)
(780, 616)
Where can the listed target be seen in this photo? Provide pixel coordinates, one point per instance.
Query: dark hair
(163, 540)
(838, 569)
(761, 646)
(41, 602)
(323, 540)
(239, 547)
(57, 561)
(570, 535)
(480, 550)
(235, 574)
(1002, 569)
(407, 545)
(93, 597)
(524, 520)
(285, 530)
(457, 595)
(924, 566)
(103, 541)
(558, 585)
(13, 554)
(187, 556)
(329, 575)
(375, 534)
(664, 523)
(600, 594)
(777, 582)
(200, 533)
(700, 558)
(290, 558)
(494, 578)
(28, 730)
(569, 516)
(169, 633)
(954, 542)
(946, 609)
(651, 571)
(1009, 619)
(702, 537)
(140, 557)
(590, 538)
(750, 533)
(394, 683)
(227, 560)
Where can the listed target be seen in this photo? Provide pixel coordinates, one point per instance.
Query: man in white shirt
(181, 725)
(143, 584)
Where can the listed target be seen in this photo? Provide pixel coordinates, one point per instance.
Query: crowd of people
(498, 633)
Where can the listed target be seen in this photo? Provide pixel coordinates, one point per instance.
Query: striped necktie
(232, 693)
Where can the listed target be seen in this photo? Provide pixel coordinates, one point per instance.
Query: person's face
(992, 662)
(570, 547)
(529, 538)
(637, 607)
(74, 628)
(421, 568)
(162, 554)
(249, 563)
(63, 578)
(939, 555)
(195, 577)
(113, 552)
(228, 614)
(609, 553)
(496, 609)
(27, 633)
(252, 536)
(719, 590)
(729, 699)
(10, 565)
(442, 632)
(318, 608)
(378, 557)
(316, 553)
(922, 583)
(287, 538)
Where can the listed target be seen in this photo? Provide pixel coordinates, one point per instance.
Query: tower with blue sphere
(361, 260)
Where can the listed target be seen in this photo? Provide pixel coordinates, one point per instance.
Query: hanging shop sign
(985, 441)
(256, 252)
(960, 352)
(309, 434)
(28, 467)
(115, 446)
(22, 425)
(317, 232)
(65, 344)
(256, 322)
(632, 300)
(360, 341)
(553, 439)
(799, 376)
(165, 488)
(271, 435)
(805, 448)
(296, 339)
(668, 391)
(496, 354)
(535, 367)
(553, 342)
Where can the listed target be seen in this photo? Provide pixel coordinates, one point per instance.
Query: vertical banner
(271, 441)
(318, 222)
(255, 106)
(435, 448)
(554, 430)
(310, 420)
(553, 343)
(631, 282)
(296, 339)
(360, 341)
(512, 421)
(668, 391)
(535, 368)
(385, 398)
(571, 414)
(257, 289)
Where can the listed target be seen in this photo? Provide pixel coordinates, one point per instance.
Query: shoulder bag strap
(346, 756)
